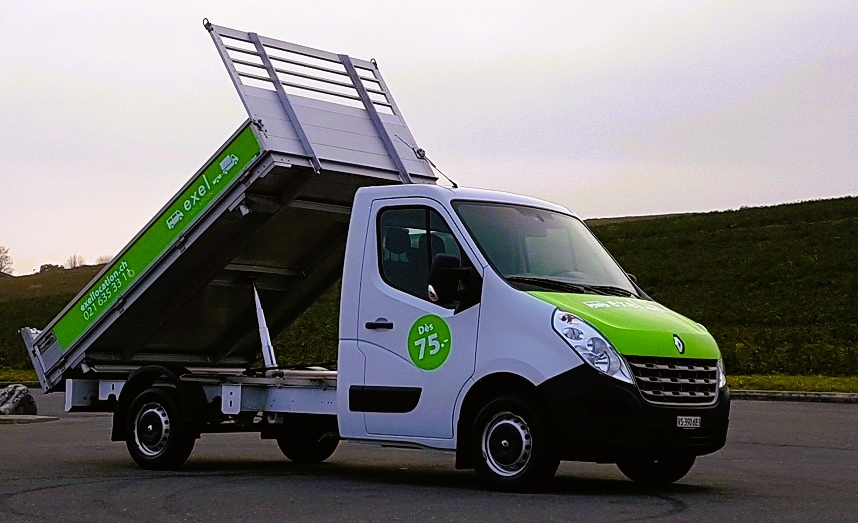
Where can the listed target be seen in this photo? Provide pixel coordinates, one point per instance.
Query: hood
(637, 327)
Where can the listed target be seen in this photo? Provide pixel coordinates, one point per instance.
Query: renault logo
(680, 346)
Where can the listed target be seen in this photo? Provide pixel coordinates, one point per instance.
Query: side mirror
(444, 277)
(637, 287)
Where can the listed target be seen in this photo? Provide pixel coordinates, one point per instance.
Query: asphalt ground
(784, 461)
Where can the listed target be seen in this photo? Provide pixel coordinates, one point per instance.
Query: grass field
(33, 301)
(46, 284)
(774, 285)
(795, 383)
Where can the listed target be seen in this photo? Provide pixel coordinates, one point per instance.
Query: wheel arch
(484, 390)
(188, 395)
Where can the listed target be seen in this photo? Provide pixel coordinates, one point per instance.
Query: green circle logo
(429, 342)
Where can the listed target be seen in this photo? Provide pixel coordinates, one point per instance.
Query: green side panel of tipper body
(182, 212)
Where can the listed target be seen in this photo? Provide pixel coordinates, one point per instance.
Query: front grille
(676, 381)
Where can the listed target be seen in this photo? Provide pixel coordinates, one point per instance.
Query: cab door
(419, 355)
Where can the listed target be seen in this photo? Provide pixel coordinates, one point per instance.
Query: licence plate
(688, 422)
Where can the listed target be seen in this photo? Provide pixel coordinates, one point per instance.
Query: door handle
(380, 323)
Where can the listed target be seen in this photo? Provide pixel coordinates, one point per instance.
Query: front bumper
(597, 418)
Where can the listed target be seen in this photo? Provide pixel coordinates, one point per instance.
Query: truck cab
(498, 326)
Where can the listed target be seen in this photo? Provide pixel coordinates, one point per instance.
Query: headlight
(722, 376)
(591, 345)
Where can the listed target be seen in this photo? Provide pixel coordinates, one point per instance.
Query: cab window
(409, 238)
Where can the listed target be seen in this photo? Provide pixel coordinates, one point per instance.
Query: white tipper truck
(487, 324)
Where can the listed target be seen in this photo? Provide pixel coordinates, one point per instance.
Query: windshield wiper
(580, 288)
(615, 291)
(548, 283)
(554, 285)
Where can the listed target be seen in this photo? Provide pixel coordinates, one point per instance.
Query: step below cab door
(418, 354)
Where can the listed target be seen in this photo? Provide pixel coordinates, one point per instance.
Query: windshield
(534, 247)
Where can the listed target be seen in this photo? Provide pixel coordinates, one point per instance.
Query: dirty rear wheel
(156, 435)
(512, 447)
(309, 439)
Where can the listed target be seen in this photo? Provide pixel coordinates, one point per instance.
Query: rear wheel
(156, 435)
(511, 446)
(657, 471)
(308, 444)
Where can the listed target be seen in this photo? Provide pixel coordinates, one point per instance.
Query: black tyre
(308, 444)
(511, 446)
(156, 435)
(656, 471)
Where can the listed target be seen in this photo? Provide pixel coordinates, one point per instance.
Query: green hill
(773, 285)
(33, 301)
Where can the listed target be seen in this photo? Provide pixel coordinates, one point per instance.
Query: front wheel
(656, 471)
(156, 435)
(511, 446)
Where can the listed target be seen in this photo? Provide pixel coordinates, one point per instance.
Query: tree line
(75, 260)
(5, 260)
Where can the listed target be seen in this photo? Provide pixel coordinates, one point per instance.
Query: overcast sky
(610, 108)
